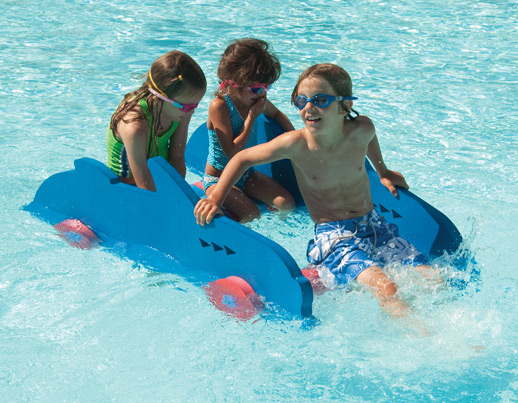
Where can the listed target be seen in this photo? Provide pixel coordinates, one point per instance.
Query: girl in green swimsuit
(153, 120)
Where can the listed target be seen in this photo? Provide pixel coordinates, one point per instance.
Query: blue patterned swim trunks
(347, 247)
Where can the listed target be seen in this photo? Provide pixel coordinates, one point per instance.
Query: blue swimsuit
(217, 157)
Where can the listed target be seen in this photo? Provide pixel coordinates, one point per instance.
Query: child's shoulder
(363, 124)
(218, 104)
(294, 138)
(363, 120)
(132, 126)
(218, 99)
(295, 135)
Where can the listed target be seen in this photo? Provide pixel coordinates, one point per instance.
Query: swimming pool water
(439, 80)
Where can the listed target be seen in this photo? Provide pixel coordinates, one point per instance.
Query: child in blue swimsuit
(246, 71)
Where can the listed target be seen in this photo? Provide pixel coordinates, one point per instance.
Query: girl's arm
(279, 148)
(219, 121)
(134, 136)
(177, 146)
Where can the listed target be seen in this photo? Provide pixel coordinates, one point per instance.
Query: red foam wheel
(77, 234)
(235, 297)
(247, 288)
(314, 278)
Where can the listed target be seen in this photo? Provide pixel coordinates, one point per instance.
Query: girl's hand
(257, 107)
(205, 211)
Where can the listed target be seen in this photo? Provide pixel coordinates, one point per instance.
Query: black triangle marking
(395, 214)
(383, 208)
(229, 251)
(203, 243)
(216, 247)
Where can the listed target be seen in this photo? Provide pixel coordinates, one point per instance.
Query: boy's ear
(346, 107)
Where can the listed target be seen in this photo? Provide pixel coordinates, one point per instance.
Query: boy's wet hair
(336, 76)
(172, 73)
(249, 60)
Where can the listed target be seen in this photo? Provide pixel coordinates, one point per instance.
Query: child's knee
(388, 288)
(284, 203)
(250, 214)
(383, 285)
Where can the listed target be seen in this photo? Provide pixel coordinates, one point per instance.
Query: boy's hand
(391, 179)
(205, 211)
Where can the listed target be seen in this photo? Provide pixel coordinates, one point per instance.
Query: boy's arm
(274, 150)
(206, 209)
(390, 179)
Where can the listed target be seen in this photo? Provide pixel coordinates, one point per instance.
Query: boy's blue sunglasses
(320, 100)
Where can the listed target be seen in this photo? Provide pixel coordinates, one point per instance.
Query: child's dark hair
(249, 60)
(172, 73)
(336, 76)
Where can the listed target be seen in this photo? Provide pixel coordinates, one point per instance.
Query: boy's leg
(384, 289)
(393, 248)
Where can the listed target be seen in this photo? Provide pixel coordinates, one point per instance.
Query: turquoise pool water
(439, 80)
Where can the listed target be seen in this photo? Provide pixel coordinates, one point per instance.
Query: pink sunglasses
(257, 89)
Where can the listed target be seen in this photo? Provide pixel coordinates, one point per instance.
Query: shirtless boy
(328, 156)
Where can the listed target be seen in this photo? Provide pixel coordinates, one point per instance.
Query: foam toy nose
(77, 234)
(235, 297)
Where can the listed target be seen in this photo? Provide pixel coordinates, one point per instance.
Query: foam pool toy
(164, 220)
(225, 250)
